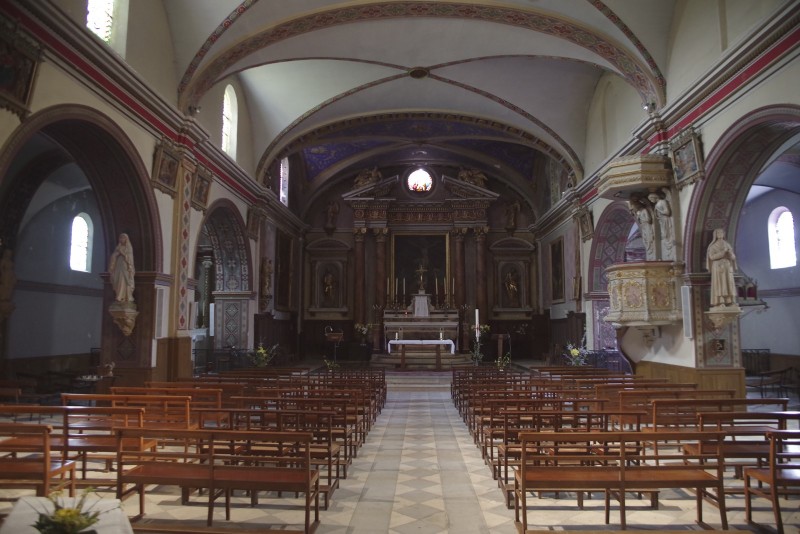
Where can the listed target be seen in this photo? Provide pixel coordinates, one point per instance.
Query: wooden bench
(80, 432)
(746, 443)
(165, 411)
(222, 461)
(27, 460)
(326, 452)
(615, 463)
(781, 475)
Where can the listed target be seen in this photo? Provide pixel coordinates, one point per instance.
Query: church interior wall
(616, 109)
(780, 288)
(702, 32)
(149, 48)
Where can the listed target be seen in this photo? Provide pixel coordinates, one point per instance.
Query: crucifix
(421, 276)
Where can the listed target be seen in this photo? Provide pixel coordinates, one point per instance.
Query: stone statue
(721, 263)
(644, 218)
(512, 288)
(122, 270)
(328, 282)
(512, 210)
(331, 215)
(266, 276)
(7, 277)
(472, 176)
(663, 213)
(366, 177)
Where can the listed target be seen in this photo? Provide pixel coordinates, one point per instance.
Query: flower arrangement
(478, 335)
(361, 329)
(262, 355)
(330, 364)
(502, 361)
(68, 520)
(576, 356)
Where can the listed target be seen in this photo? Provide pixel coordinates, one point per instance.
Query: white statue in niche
(122, 270)
(721, 262)
(663, 213)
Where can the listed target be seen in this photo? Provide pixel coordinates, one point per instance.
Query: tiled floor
(419, 472)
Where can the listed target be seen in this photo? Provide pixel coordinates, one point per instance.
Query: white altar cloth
(422, 342)
(112, 519)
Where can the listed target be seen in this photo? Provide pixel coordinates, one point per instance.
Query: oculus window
(419, 181)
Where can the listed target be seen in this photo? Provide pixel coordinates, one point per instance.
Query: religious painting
(511, 278)
(585, 224)
(165, 169)
(420, 263)
(202, 185)
(283, 270)
(255, 217)
(686, 157)
(557, 270)
(330, 285)
(19, 60)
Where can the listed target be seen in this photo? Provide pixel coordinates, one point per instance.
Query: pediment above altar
(467, 190)
(373, 190)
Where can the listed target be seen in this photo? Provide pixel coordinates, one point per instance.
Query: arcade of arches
(548, 236)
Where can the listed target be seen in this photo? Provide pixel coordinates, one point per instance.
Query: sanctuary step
(419, 359)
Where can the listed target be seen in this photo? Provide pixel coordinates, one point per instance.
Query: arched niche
(75, 146)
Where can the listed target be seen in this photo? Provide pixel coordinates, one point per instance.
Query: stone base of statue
(6, 307)
(722, 315)
(124, 315)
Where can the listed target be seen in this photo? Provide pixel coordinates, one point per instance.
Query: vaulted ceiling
(349, 85)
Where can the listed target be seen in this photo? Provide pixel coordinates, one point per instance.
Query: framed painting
(557, 270)
(166, 167)
(420, 262)
(202, 184)
(686, 154)
(18, 68)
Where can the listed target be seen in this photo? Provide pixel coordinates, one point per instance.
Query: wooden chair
(782, 476)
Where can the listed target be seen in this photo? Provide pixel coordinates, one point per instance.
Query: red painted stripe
(103, 81)
(761, 63)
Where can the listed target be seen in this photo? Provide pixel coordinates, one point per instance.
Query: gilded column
(480, 272)
(360, 269)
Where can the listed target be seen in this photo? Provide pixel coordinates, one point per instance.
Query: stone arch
(608, 244)
(224, 237)
(731, 168)
(608, 247)
(119, 178)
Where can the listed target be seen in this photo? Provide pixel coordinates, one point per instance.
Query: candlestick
(436, 283)
(404, 289)
(477, 321)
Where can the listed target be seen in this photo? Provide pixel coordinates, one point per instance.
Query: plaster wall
(149, 48)
(758, 330)
(702, 32)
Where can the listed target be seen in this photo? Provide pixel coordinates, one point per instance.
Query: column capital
(380, 233)
(359, 233)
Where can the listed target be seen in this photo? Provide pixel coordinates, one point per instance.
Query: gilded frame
(687, 158)
(165, 170)
(18, 72)
(201, 187)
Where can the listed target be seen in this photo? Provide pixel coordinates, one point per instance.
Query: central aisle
(419, 470)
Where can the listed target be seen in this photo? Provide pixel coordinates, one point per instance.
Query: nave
(420, 471)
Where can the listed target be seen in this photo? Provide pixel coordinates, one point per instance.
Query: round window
(419, 181)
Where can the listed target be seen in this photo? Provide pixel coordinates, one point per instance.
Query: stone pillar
(480, 272)
(206, 291)
(459, 270)
(381, 288)
(359, 271)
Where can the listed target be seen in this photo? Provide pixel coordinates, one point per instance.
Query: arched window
(284, 185)
(108, 19)
(230, 121)
(80, 253)
(781, 239)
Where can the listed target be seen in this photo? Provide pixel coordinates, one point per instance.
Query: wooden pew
(781, 475)
(27, 460)
(222, 461)
(615, 463)
(746, 443)
(160, 411)
(80, 432)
